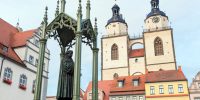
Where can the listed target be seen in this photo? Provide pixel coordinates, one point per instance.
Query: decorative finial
(17, 23)
(57, 9)
(63, 2)
(154, 4)
(80, 8)
(45, 15)
(95, 26)
(88, 10)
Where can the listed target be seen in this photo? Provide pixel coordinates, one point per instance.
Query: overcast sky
(183, 15)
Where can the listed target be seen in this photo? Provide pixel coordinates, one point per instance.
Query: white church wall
(167, 40)
(121, 42)
(137, 65)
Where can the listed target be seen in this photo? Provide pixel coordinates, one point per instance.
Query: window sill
(7, 81)
(22, 87)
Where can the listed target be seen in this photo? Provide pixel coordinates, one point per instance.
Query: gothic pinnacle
(63, 2)
(88, 10)
(57, 9)
(46, 15)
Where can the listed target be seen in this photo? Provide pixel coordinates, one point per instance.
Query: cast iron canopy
(64, 28)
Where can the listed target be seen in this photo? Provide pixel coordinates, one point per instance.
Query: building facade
(19, 52)
(195, 88)
(119, 56)
(166, 85)
(148, 72)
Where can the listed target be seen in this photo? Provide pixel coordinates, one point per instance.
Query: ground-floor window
(196, 98)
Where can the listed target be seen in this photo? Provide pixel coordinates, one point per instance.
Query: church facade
(119, 58)
(147, 72)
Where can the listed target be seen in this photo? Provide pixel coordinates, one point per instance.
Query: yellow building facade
(166, 85)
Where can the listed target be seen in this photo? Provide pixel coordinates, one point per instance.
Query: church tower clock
(158, 40)
(115, 47)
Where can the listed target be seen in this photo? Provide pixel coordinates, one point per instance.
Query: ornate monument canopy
(68, 32)
(63, 28)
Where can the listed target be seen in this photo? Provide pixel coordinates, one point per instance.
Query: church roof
(11, 38)
(156, 11)
(117, 17)
(136, 53)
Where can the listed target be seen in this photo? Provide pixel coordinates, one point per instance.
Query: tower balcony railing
(157, 29)
(136, 37)
(114, 35)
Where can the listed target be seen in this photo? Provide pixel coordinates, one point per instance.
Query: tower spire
(155, 4)
(63, 2)
(57, 9)
(88, 10)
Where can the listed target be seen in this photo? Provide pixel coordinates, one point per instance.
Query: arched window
(114, 52)
(158, 45)
(7, 74)
(23, 82)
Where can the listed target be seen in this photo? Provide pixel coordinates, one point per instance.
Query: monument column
(43, 40)
(95, 65)
(77, 67)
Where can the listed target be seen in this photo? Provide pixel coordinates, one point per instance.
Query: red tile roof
(165, 76)
(11, 38)
(102, 85)
(20, 39)
(128, 87)
(136, 53)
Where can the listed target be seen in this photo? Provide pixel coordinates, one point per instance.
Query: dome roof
(117, 17)
(156, 11)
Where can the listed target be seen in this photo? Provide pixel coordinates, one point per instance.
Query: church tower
(114, 45)
(158, 40)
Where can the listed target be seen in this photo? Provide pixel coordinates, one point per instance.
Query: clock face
(155, 19)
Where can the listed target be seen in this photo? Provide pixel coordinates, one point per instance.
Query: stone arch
(137, 73)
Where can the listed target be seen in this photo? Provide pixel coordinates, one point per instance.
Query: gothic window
(7, 77)
(114, 52)
(23, 82)
(158, 45)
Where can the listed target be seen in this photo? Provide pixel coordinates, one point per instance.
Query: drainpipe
(2, 65)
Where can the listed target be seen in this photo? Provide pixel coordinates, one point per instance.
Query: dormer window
(121, 83)
(136, 82)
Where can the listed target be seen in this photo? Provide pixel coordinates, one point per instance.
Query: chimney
(180, 68)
